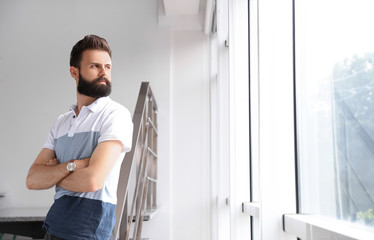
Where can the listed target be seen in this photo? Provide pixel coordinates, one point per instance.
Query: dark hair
(88, 42)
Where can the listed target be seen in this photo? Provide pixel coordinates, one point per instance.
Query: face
(94, 74)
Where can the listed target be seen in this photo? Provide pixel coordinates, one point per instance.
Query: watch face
(71, 166)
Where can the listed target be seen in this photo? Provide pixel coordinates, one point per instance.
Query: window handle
(251, 208)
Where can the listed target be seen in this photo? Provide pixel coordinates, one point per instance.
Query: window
(335, 108)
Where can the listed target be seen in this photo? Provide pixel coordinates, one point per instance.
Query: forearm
(44, 177)
(93, 177)
(80, 181)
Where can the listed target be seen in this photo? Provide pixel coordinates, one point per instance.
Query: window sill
(309, 227)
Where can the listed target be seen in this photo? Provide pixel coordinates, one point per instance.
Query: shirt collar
(98, 104)
(95, 106)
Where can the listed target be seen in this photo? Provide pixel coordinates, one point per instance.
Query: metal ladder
(144, 156)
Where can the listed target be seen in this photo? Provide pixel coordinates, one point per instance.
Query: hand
(52, 162)
(82, 163)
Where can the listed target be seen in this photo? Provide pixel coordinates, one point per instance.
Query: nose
(102, 72)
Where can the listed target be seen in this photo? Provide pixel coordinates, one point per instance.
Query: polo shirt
(87, 215)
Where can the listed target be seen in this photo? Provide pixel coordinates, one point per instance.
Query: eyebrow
(95, 63)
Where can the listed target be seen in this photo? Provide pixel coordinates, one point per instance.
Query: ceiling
(182, 7)
(186, 14)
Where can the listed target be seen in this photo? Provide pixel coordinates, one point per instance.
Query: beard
(94, 88)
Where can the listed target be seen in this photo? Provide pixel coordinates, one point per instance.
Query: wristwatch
(71, 166)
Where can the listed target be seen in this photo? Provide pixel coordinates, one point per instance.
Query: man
(84, 150)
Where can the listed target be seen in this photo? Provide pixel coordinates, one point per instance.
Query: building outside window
(334, 46)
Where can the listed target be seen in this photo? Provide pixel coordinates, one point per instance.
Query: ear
(74, 72)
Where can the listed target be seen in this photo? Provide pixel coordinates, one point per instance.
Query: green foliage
(367, 216)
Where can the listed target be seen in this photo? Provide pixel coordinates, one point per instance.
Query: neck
(83, 100)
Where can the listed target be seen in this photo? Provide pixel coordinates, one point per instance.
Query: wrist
(71, 166)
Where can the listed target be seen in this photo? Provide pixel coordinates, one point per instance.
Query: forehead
(96, 56)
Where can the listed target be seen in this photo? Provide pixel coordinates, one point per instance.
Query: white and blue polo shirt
(87, 215)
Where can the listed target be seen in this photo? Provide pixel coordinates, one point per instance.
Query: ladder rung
(149, 214)
(152, 179)
(153, 153)
(153, 125)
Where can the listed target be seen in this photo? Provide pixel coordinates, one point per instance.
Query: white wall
(190, 143)
(36, 39)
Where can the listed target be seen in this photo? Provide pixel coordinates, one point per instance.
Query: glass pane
(335, 108)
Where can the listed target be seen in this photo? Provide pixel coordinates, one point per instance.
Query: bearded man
(84, 150)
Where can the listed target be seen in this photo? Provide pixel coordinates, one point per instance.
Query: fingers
(82, 163)
(52, 162)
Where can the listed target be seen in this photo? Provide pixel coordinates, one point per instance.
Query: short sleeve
(118, 126)
(49, 143)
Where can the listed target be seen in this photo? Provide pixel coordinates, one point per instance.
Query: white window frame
(276, 163)
(229, 117)
(308, 227)
(220, 125)
(239, 118)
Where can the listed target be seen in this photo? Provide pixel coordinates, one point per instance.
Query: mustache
(102, 79)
